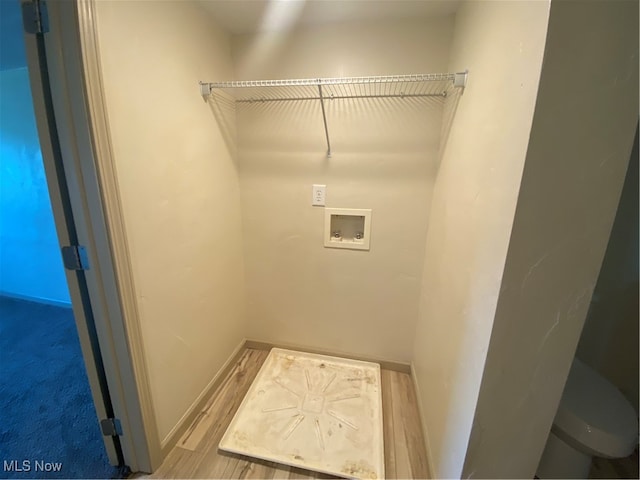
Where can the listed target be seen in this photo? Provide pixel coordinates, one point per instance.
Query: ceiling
(249, 16)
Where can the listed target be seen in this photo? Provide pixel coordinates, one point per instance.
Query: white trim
(187, 419)
(29, 298)
(73, 87)
(173, 437)
(425, 432)
(110, 195)
(60, 217)
(384, 363)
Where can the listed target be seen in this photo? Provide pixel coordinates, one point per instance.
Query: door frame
(81, 121)
(65, 230)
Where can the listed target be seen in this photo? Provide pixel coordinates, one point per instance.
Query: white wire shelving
(324, 89)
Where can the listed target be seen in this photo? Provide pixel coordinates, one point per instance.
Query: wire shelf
(389, 86)
(324, 89)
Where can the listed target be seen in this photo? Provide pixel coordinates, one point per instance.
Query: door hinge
(75, 258)
(111, 427)
(35, 17)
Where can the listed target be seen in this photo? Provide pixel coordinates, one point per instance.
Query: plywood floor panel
(196, 454)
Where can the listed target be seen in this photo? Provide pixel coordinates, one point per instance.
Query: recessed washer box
(347, 228)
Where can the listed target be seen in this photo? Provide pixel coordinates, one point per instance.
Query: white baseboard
(29, 298)
(386, 364)
(190, 415)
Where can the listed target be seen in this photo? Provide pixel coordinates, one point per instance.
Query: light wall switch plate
(319, 195)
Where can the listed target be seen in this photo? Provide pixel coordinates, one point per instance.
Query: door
(55, 68)
(74, 256)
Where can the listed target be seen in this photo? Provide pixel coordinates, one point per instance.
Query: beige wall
(583, 128)
(384, 158)
(501, 43)
(179, 191)
(609, 340)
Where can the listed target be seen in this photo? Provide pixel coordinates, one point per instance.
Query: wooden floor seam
(196, 454)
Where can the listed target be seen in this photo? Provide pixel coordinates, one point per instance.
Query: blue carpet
(47, 412)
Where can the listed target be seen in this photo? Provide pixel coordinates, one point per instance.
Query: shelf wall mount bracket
(460, 79)
(205, 90)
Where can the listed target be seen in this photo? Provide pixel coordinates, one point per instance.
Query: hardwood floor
(196, 455)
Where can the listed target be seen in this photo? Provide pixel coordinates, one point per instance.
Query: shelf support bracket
(324, 119)
(205, 90)
(460, 79)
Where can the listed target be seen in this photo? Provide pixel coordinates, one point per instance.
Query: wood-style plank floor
(196, 455)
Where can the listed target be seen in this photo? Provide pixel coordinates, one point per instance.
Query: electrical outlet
(319, 195)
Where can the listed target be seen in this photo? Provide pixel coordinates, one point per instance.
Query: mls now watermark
(31, 465)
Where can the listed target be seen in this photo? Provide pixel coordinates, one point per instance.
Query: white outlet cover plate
(315, 412)
(318, 195)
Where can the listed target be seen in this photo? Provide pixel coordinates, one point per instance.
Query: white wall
(609, 339)
(583, 128)
(180, 193)
(501, 43)
(384, 158)
(30, 261)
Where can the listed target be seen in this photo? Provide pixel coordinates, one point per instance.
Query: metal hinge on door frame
(75, 257)
(111, 427)
(34, 17)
